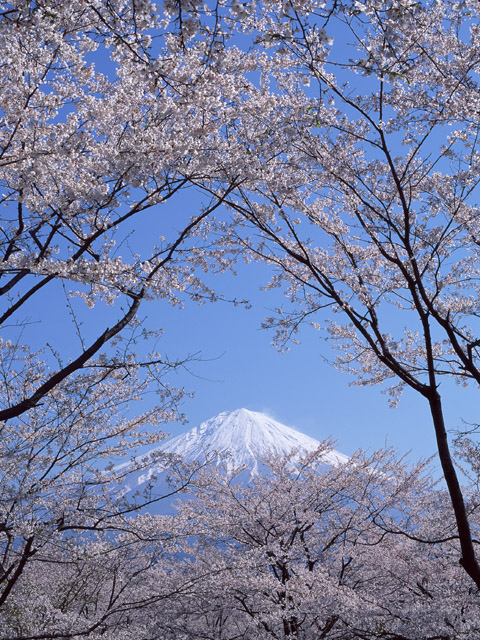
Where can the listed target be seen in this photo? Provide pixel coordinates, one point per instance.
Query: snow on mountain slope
(242, 437)
(236, 438)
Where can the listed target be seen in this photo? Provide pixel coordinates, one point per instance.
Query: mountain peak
(243, 437)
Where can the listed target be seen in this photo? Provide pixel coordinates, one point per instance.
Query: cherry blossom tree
(361, 131)
(84, 155)
(108, 110)
(365, 549)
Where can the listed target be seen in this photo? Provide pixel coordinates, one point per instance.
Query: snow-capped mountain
(243, 437)
(236, 438)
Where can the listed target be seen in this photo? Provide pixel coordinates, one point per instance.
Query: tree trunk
(468, 558)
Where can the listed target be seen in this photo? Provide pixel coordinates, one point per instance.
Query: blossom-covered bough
(362, 190)
(99, 130)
